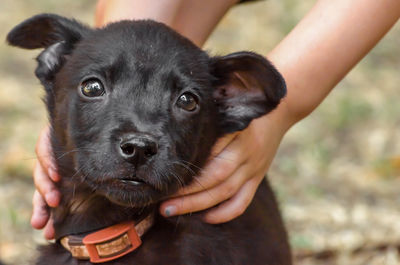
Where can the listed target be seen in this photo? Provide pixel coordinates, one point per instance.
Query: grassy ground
(336, 173)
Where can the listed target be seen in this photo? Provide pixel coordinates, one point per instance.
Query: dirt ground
(336, 173)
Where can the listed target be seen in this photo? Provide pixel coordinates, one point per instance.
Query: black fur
(145, 68)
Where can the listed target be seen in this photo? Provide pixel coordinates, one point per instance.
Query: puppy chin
(142, 197)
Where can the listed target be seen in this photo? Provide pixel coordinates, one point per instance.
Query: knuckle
(229, 190)
(223, 169)
(219, 173)
(187, 205)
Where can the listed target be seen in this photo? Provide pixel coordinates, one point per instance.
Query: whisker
(61, 155)
(190, 164)
(73, 191)
(191, 171)
(178, 178)
(194, 178)
(158, 178)
(77, 172)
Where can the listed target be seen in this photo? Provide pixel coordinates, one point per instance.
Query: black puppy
(135, 109)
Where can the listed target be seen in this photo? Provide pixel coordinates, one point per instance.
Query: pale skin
(313, 58)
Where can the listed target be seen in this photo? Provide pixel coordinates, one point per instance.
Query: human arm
(193, 19)
(313, 58)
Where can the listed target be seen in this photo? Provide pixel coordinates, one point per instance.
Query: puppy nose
(137, 148)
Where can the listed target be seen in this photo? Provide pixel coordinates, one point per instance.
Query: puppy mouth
(132, 181)
(130, 191)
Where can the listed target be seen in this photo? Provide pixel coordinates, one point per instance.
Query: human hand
(46, 193)
(230, 179)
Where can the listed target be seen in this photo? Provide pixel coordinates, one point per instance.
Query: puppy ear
(247, 86)
(54, 33)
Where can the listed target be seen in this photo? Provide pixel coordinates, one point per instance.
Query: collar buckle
(112, 242)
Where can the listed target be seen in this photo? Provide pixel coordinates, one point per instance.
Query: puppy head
(135, 107)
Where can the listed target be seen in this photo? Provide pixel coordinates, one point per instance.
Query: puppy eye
(187, 101)
(92, 88)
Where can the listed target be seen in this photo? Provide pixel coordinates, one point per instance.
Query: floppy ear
(247, 86)
(56, 34)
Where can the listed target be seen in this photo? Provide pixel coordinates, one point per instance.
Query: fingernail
(34, 220)
(53, 174)
(52, 198)
(170, 211)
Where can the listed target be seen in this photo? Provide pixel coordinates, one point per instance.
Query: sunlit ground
(336, 174)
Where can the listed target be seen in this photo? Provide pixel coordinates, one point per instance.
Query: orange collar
(108, 243)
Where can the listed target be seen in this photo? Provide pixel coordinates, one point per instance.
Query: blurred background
(336, 173)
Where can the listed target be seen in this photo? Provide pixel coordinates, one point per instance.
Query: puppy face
(135, 108)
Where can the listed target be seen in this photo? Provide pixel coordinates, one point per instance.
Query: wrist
(275, 124)
(281, 118)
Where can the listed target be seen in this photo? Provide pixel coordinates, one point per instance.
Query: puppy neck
(83, 211)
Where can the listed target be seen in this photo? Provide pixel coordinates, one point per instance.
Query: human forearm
(324, 46)
(193, 19)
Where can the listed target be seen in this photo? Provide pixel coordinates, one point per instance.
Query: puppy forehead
(141, 43)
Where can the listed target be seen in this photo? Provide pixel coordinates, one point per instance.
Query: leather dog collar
(108, 243)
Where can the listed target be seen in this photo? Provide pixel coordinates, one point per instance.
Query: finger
(44, 154)
(49, 232)
(236, 205)
(40, 214)
(217, 170)
(45, 186)
(206, 198)
(222, 143)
